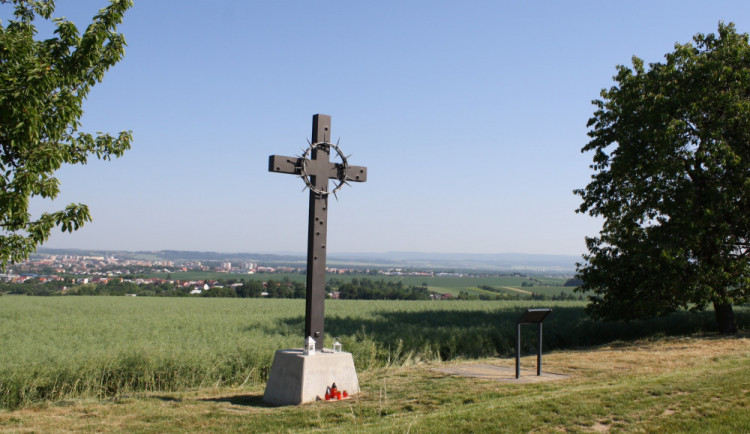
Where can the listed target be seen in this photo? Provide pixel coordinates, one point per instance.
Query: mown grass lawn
(699, 383)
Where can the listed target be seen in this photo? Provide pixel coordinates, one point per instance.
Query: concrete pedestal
(296, 378)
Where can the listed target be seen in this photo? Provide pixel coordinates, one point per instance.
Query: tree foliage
(43, 84)
(368, 289)
(671, 156)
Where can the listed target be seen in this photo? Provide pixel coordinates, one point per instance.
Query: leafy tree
(42, 87)
(252, 288)
(220, 292)
(671, 146)
(299, 289)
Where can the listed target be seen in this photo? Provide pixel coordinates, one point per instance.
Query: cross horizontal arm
(282, 164)
(293, 165)
(356, 174)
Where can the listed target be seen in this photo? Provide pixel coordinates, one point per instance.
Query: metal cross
(317, 170)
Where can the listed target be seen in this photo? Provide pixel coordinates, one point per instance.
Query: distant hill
(564, 264)
(179, 255)
(558, 264)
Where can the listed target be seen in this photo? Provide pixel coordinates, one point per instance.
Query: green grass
(55, 348)
(685, 384)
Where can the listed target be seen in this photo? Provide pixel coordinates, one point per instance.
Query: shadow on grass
(241, 400)
(167, 398)
(451, 333)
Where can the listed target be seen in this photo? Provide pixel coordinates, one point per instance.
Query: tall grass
(55, 348)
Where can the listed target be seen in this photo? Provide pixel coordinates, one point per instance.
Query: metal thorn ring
(342, 167)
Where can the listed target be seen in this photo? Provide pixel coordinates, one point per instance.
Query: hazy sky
(470, 116)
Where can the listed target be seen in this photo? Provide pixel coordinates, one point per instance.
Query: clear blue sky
(470, 116)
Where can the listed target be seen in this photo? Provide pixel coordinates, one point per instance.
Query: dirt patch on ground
(496, 372)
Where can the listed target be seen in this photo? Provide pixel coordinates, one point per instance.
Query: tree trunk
(725, 318)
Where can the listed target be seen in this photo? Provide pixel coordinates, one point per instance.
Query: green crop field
(59, 347)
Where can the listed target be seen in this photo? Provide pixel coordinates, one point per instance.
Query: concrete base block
(296, 378)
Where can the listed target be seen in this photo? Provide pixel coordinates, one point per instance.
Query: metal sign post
(315, 168)
(531, 316)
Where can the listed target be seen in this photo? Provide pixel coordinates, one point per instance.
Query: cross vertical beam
(317, 232)
(316, 168)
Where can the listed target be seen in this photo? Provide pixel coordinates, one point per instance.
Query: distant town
(151, 274)
(47, 267)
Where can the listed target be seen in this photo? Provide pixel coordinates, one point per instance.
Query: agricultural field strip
(522, 291)
(448, 282)
(440, 284)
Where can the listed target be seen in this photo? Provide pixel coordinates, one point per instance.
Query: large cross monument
(296, 377)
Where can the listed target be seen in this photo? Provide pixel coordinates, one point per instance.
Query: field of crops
(58, 347)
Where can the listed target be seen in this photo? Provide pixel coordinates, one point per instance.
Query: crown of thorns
(341, 167)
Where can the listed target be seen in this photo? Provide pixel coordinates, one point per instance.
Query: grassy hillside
(686, 384)
(55, 348)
